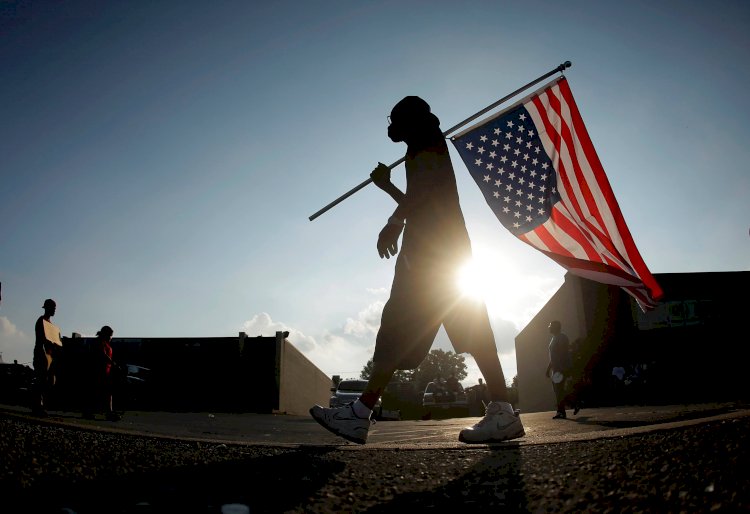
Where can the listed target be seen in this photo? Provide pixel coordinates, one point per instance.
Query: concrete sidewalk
(286, 430)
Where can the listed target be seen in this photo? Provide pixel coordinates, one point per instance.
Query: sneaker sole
(517, 435)
(336, 432)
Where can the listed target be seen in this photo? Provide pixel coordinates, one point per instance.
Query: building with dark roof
(689, 349)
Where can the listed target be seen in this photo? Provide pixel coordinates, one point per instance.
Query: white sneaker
(343, 422)
(497, 425)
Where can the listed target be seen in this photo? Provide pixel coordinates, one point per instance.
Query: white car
(349, 390)
(438, 397)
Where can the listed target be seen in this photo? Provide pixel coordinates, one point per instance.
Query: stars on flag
(521, 196)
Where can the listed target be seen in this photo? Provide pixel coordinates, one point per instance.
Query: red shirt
(107, 349)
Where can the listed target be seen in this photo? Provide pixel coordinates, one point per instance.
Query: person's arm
(381, 177)
(414, 196)
(39, 331)
(388, 238)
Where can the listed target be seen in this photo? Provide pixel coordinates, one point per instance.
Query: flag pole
(559, 69)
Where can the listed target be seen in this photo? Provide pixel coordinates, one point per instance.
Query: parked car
(439, 399)
(349, 390)
(135, 385)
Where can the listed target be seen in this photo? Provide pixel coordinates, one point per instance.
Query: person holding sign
(46, 349)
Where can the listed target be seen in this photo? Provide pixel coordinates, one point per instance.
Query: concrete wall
(301, 383)
(248, 374)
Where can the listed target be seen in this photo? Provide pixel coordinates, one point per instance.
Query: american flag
(538, 170)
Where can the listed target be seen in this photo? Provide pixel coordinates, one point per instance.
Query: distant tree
(439, 364)
(513, 391)
(399, 376)
(366, 372)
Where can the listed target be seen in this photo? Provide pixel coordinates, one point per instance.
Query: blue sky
(160, 160)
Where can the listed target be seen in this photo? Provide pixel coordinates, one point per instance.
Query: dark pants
(100, 397)
(44, 377)
(565, 393)
(560, 395)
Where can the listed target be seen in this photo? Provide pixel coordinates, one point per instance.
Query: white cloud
(14, 343)
(343, 350)
(340, 356)
(367, 322)
(262, 325)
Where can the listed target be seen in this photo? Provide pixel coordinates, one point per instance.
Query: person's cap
(49, 302)
(106, 329)
(413, 106)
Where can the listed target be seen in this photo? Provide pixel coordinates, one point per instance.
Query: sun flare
(491, 278)
(471, 281)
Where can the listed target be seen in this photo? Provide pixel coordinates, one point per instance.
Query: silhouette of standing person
(424, 293)
(104, 375)
(47, 348)
(482, 392)
(559, 367)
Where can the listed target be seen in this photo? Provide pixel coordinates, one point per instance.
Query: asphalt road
(631, 459)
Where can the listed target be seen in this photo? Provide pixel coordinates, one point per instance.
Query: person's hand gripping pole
(388, 237)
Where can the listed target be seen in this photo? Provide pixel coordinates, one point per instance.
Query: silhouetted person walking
(47, 348)
(560, 366)
(425, 294)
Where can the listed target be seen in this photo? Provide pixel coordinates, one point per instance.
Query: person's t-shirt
(107, 357)
(559, 353)
(435, 234)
